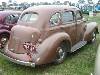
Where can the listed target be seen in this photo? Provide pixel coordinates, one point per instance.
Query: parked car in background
(7, 20)
(45, 34)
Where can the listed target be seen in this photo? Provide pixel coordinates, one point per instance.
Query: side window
(78, 15)
(25, 17)
(67, 16)
(55, 19)
(29, 17)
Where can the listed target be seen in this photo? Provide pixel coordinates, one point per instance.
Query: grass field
(79, 63)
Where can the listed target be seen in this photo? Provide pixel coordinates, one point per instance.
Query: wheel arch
(90, 28)
(49, 47)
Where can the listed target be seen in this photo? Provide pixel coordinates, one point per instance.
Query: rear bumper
(18, 61)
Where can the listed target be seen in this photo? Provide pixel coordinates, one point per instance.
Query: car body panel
(90, 27)
(46, 51)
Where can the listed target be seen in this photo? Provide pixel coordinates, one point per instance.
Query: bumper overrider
(16, 60)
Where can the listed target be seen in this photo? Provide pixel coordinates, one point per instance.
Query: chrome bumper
(18, 61)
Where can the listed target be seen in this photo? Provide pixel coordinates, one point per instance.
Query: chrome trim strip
(18, 61)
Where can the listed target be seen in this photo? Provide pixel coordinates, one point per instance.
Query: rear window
(29, 17)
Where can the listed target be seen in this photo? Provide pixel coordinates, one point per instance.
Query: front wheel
(93, 36)
(3, 40)
(61, 53)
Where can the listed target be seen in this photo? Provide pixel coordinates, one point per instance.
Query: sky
(29, 1)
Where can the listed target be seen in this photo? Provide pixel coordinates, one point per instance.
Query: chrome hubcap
(61, 53)
(3, 40)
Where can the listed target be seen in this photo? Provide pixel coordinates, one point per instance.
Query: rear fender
(48, 49)
(90, 27)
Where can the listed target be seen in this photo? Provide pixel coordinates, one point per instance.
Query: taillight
(29, 47)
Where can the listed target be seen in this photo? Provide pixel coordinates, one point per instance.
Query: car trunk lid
(21, 37)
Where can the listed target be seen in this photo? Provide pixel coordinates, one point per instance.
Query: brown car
(45, 34)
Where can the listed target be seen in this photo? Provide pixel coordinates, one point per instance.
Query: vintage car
(45, 34)
(7, 20)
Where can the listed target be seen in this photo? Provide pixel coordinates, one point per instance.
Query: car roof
(45, 12)
(43, 8)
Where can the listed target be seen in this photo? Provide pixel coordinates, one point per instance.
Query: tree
(81, 1)
(66, 2)
(70, 3)
(10, 1)
(15, 3)
(32, 4)
(4, 4)
(45, 3)
(73, 4)
(24, 5)
(90, 1)
(58, 2)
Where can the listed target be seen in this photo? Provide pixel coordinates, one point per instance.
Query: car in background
(45, 34)
(7, 20)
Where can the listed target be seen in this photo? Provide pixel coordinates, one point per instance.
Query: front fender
(47, 50)
(4, 31)
(90, 27)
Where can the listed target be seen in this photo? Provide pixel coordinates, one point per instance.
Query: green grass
(80, 62)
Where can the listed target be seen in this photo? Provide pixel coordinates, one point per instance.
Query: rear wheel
(61, 53)
(3, 40)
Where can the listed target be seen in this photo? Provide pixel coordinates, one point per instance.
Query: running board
(78, 45)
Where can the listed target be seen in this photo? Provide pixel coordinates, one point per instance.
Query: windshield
(29, 17)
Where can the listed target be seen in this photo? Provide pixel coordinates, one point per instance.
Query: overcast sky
(19, 1)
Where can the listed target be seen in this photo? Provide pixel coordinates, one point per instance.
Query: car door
(69, 25)
(80, 27)
(54, 25)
